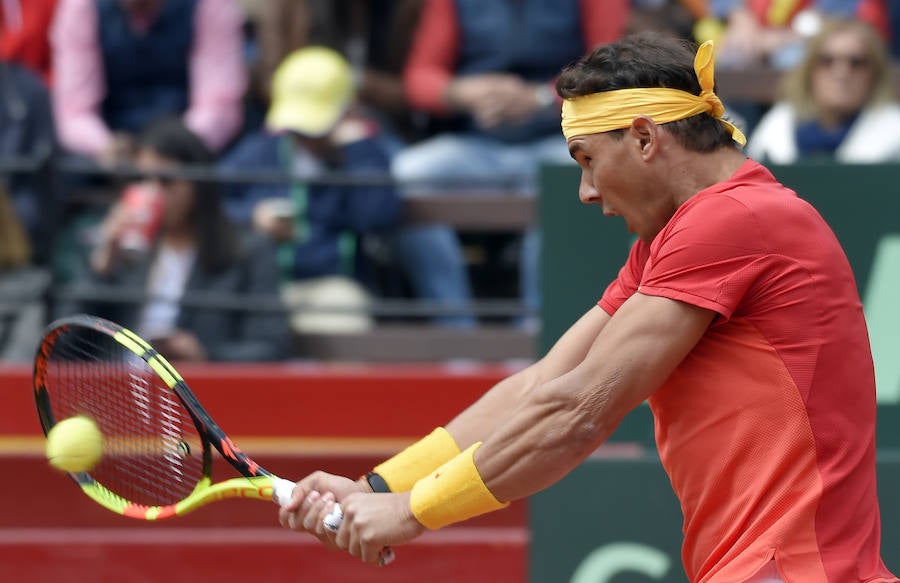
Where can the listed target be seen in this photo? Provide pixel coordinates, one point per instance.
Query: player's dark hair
(218, 241)
(641, 61)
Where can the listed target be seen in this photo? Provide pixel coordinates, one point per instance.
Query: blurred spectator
(22, 290)
(252, 11)
(121, 64)
(485, 70)
(891, 16)
(884, 15)
(196, 253)
(26, 133)
(838, 103)
(374, 35)
(283, 26)
(314, 131)
(772, 32)
(672, 17)
(26, 123)
(24, 26)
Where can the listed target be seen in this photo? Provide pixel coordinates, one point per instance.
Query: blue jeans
(431, 255)
(432, 259)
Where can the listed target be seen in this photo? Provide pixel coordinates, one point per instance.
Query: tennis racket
(157, 437)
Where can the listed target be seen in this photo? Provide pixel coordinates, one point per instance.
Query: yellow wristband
(403, 470)
(452, 493)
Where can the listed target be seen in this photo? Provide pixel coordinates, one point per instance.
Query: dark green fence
(617, 521)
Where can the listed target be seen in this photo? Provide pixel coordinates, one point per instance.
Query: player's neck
(700, 171)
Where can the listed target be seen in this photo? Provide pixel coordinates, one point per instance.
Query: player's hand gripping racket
(157, 437)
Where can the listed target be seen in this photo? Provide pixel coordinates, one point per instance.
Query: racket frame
(256, 483)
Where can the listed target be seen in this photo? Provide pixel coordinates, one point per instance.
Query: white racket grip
(334, 519)
(333, 522)
(282, 490)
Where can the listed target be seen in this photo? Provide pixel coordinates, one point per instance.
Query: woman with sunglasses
(838, 103)
(179, 272)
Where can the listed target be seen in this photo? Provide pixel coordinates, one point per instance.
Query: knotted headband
(615, 110)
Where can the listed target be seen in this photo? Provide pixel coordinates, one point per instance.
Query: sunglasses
(854, 62)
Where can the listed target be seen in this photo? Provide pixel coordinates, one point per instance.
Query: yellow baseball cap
(311, 90)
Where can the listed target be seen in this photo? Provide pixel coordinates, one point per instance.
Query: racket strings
(153, 454)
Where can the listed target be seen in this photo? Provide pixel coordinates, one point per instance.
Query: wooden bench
(753, 85)
(468, 212)
(465, 211)
(401, 343)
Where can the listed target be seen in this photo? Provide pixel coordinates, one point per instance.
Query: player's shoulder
(751, 189)
(741, 212)
(722, 216)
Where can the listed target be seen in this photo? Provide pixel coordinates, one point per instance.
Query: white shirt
(165, 286)
(874, 137)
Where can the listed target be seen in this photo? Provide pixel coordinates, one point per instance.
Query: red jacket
(24, 34)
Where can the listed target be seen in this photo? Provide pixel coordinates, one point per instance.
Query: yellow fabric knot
(704, 67)
(615, 110)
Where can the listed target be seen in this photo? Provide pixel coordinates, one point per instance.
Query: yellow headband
(615, 110)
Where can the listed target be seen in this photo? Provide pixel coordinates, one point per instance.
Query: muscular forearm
(483, 417)
(551, 432)
(403, 471)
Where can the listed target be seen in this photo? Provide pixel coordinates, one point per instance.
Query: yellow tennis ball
(74, 444)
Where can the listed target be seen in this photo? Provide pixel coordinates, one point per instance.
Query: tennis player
(736, 315)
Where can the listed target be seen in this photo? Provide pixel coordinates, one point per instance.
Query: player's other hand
(313, 498)
(373, 522)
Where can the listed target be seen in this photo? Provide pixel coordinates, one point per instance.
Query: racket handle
(333, 522)
(282, 490)
(334, 519)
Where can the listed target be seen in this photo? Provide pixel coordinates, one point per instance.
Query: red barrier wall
(300, 399)
(455, 555)
(293, 419)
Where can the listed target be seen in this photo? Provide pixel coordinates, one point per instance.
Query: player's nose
(587, 193)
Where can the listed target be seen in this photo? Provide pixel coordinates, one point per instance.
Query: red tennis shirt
(767, 428)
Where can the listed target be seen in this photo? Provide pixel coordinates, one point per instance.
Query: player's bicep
(640, 347)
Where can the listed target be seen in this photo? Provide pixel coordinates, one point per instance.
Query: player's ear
(645, 133)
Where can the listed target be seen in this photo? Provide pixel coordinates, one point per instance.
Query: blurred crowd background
(224, 176)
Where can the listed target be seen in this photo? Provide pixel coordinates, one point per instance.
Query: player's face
(615, 177)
